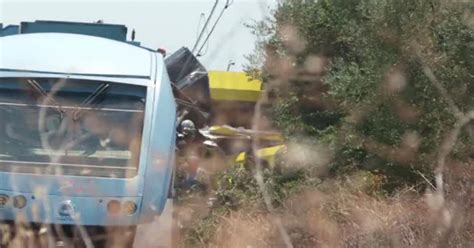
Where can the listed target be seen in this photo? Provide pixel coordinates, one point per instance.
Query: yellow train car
(233, 96)
(234, 86)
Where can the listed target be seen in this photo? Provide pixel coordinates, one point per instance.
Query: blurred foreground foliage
(355, 75)
(365, 92)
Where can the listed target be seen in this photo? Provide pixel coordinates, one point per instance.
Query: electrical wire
(202, 18)
(227, 5)
(205, 27)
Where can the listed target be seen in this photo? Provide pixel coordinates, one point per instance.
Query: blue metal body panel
(75, 55)
(161, 149)
(87, 210)
(9, 30)
(109, 31)
(89, 196)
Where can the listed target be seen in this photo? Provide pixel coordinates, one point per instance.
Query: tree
(380, 81)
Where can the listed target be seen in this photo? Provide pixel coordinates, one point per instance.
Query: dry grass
(337, 215)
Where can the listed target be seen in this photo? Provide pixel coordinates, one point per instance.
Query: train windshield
(70, 127)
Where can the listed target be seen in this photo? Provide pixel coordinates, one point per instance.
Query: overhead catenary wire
(227, 5)
(198, 40)
(202, 19)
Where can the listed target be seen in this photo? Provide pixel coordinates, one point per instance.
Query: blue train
(88, 127)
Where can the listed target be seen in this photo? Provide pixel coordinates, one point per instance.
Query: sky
(168, 24)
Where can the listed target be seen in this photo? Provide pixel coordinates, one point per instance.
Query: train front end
(87, 131)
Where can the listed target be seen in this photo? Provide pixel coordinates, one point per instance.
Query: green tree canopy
(377, 80)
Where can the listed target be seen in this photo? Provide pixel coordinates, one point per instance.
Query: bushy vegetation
(381, 82)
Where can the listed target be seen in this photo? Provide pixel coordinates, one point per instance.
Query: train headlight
(19, 201)
(3, 200)
(129, 207)
(113, 207)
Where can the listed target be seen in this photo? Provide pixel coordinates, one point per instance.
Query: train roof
(74, 54)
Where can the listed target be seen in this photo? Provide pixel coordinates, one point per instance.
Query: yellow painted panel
(234, 86)
(267, 154)
(238, 132)
(235, 95)
(222, 130)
